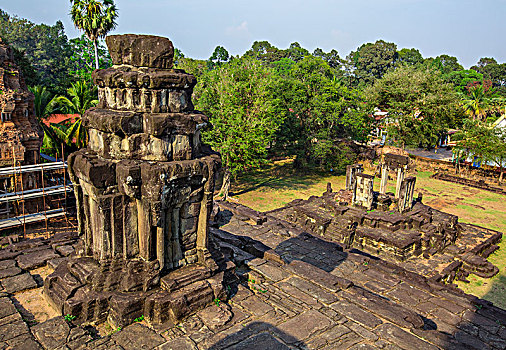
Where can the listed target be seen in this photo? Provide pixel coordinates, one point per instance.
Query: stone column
(351, 171)
(406, 194)
(384, 179)
(363, 194)
(401, 173)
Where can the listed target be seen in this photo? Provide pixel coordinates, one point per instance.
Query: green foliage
(80, 98)
(421, 105)
(481, 100)
(83, 58)
(95, 18)
(494, 72)
(192, 66)
(487, 144)
(44, 102)
(69, 318)
(444, 63)
(332, 58)
(410, 57)
(40, 50)
(283, 67)
(461, 79)
(178, 55)
(321, 112)
(295, 52)
(219, 56)
(264, 51)
(238, 98)
(139, 319)
(372, 60)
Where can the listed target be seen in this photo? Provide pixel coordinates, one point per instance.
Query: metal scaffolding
(55, 174)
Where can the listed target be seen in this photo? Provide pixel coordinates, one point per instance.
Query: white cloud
(241, 29)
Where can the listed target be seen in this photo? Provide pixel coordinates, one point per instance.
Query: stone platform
(294, 291)
(423, 240)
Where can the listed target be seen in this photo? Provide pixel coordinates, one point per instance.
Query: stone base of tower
(119, 291)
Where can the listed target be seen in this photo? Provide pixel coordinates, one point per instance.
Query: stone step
(184, 276)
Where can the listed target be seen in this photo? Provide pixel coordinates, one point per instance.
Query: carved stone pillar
(351, 171)
(363, 194)
(406, 194)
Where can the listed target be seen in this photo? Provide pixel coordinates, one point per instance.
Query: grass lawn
(277, 184)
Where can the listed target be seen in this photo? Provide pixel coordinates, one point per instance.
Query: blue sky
(463, 28)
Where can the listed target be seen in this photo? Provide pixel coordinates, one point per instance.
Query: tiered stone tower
(20, 133)
(144, 189)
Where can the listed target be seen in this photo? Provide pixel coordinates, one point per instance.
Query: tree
(332, 58)
(462, 78)
(178, 55)
(373, 60)
(485, 61)
(321, 113)
(449, 63)
(41, 51)
(193, 66)
(421, 105)
(494, 72)
(83, 58)
(239, 101)
(487, 144)
(410, 57)
(45, 103)
(296, 52)
(480, 100)
(444, 63)
(96, 18)
(219, 56)
(80, 98)
(264, 51)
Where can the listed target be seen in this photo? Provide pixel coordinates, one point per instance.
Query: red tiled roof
(60, 118)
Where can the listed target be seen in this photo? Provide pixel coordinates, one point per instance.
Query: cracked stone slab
(36, 259)
(183, 343)
(9, 272)
(53, 333)
(137, 336)
(18, 283)
(303, 326)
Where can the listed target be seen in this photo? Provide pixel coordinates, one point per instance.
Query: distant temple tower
(20, 133)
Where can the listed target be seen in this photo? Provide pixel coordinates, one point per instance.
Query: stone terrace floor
(296, 292)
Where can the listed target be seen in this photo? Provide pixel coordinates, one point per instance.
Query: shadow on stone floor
(256, 336)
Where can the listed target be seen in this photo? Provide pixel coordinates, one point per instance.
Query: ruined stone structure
(397, 163)
(144, 188)
(351, 171)
(20, 133)
(394, 226)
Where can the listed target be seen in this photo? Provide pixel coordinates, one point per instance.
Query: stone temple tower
(144, 189)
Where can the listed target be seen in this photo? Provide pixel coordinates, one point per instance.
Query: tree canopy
(421, 105)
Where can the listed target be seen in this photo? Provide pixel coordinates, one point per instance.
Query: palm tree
(481, 101)
(45, 103)
(81, 97)
(96, 18)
